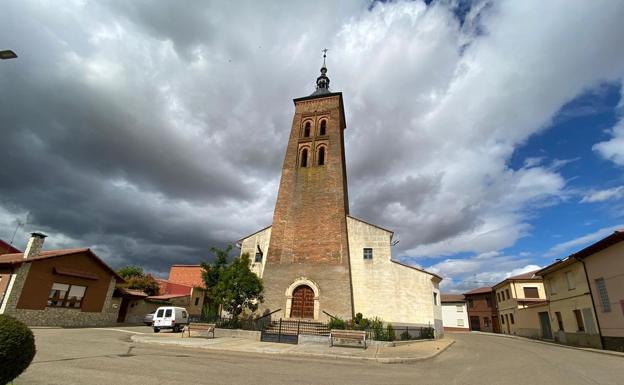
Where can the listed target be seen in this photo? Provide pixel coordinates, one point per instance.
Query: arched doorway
(302, 302)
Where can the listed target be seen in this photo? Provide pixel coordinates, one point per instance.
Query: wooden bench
(353, 335)
(210, 328)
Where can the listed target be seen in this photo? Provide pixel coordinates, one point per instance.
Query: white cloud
(604, 195)
(613, 149)
(571, 246)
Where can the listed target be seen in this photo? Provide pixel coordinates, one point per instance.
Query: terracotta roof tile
(479, 290)
(452, 297)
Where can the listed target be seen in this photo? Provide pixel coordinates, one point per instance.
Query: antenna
(324, 50)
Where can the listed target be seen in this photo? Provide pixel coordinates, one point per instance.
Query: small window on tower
(306, 130)
(258, 257)
(323, 128)
(321, 156)
(304, 158)
(368, 253)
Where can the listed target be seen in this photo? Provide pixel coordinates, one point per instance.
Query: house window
(460, 308)
(552, 286)
(531, 292)
(323, 127)
(559, 320)
(507, 291)
(502, 319)
(470, 303)
(321, 156)
(435, 298)
(460, 322)
(498, 297)
(486, 322)
(511, 318)
(306, 130)
(304, 158)
(258, 257)
(488, 301)
(570, 279)
(64, 295)
(196, 301)
(579, 320)
(603, 294)
(368, 253)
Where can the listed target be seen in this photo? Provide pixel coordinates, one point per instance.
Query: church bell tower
(308, 244)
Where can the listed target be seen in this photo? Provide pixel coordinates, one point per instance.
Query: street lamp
(7, 54)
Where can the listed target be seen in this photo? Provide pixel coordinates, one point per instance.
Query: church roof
(416, 268)
(370, 224)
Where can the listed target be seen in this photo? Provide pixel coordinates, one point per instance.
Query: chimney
(35, 243)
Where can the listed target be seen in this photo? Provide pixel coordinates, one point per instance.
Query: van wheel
(176, 329)
(156, 330)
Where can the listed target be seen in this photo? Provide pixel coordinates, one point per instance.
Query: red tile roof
(6, 248)
(616, 237)
(166, 296)
(479, 290)
(452, 297)
(190, 275)
(18, 258)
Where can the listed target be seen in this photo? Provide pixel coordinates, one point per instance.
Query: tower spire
(322, 82)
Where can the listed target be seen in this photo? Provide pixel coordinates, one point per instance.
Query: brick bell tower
(307, 267)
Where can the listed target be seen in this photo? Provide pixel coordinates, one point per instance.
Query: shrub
(390, 334)
(17, 348)
(379, 332)
(337, 323)
(427, 333)
(405, 336)
(359, 322)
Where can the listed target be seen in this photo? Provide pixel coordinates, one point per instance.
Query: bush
(390, 333)
(377, 327)
(359, 322)
(427, 333)
(337, 323)
(17, 348)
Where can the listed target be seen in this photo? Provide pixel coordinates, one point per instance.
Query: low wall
(238, 333)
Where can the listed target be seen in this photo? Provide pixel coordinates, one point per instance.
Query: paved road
(99, 356)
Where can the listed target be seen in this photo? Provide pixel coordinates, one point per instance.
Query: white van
(170, 317)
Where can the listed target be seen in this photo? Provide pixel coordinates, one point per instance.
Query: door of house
(123, 310)
(545, 324)
(302, 303)
(474, 323)
(495, 325)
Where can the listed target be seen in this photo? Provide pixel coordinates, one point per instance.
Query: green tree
(238, 287)
(17, 348)
(211, 275)
(130, 271)
(146, 283)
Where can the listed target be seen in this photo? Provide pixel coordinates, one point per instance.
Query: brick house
(317, 259)
(68, 287)
(482, 312)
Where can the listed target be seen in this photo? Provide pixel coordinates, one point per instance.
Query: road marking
(119, 330)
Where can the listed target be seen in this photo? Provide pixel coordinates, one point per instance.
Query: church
(316, 260)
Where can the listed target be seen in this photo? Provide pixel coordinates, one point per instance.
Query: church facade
(316, 260)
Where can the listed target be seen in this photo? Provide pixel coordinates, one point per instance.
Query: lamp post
(7, 54)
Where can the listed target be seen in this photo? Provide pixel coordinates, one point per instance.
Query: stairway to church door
(302, 303)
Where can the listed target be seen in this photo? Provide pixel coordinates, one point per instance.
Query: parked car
(149, 318)
(170, 317)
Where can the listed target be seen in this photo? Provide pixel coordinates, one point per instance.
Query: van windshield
(160, 313)
(168, 313)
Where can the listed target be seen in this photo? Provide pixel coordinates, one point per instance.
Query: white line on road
(118, 330)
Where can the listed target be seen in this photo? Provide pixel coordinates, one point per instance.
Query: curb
(590, 350)
(382, 360)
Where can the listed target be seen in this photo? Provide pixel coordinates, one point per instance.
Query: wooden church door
(302, 303)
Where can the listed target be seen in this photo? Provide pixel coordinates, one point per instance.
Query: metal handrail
(266, 315)
(331, 316)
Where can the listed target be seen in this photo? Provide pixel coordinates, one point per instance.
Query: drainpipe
(591, 295)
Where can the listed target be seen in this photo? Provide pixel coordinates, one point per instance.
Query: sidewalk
(417, 351)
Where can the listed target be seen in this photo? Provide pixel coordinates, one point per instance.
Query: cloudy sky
(488, 135)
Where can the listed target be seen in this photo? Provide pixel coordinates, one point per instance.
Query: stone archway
(302, 299)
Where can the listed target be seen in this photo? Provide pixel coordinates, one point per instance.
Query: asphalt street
(108, 356)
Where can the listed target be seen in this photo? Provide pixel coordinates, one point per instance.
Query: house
(604, 266)
(454, 313)
(481, 309)
(67, 287)
(184, 287)
(518, 293)
(7, 248)
(570, 317)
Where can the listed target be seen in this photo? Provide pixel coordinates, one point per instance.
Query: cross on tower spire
(322, 82)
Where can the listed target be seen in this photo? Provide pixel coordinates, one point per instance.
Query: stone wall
(62, 317)
(382, 288)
